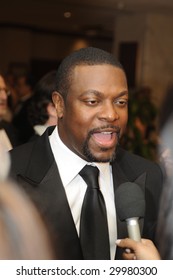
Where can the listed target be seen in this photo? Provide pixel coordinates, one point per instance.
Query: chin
(101, 157)
(107, 159)
(98, 154)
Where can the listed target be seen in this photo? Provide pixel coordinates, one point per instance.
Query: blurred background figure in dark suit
(165, 118)
(41, 110)
(13, 99)
(8, 133)
(24, 88)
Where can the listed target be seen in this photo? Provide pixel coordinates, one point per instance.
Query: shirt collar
(40, 129)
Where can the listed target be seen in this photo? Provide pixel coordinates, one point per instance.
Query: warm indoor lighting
(78, 44)
(67, 14)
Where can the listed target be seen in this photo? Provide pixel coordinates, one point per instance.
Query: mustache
(114, 128)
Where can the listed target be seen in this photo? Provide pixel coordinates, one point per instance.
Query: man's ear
(58, 103)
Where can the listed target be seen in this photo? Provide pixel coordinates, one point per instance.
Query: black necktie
(94, 235)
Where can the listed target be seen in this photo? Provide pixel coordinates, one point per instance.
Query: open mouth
(105, 138)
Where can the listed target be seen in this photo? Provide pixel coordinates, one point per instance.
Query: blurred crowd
(26, 107)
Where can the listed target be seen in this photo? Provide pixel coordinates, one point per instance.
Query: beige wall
(22, 45)
(158, 55)
(16, 46)
(154, 34)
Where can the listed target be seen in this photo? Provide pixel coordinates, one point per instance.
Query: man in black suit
(91, 100)
(8, 133)
(24, 89)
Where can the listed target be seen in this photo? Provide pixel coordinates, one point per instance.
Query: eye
(91, 102)
(121, 102)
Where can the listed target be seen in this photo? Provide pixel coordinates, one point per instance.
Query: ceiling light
(67, 14)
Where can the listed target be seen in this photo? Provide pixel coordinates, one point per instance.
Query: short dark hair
(84, 56)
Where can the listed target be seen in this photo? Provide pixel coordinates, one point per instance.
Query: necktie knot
(90, 175)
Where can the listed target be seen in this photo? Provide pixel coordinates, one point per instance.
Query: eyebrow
(98, 93)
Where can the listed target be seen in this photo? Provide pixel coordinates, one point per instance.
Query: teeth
(107, 132)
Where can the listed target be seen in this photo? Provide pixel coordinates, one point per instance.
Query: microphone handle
(133, 228)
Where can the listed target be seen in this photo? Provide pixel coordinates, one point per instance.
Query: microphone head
(129, 201)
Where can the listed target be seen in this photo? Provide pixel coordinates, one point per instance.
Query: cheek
(79, 116)
(81, 126)
(123, 121)
(77, 122)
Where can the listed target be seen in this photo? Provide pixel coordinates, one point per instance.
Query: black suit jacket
(11, 132)
(34, 167)
(21, 121)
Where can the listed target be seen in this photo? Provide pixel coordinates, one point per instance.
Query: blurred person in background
(165, 226)
(24, 89)
(8, 133)
(23, 235)
(41, 110)
(165, 153)
(13, 98)
(145, 250)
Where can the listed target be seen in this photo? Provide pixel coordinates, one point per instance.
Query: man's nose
(109, 112)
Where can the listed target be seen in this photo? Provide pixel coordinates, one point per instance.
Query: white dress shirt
(40, 128)
(4, 140)
(69, 165)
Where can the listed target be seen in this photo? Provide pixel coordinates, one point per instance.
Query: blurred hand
(144, 250)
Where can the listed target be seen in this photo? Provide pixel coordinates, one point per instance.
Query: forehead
(103, 78)
(99, 76)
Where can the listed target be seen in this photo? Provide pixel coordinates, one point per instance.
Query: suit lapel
(49, 195)
(41, 158)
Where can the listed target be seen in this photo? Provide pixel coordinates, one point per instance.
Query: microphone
(130, 206)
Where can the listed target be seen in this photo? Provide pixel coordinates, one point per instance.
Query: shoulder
(7, 125)
(134, 165)
(127, 158)
(32, 153)
(22, 150)
(20, 156)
